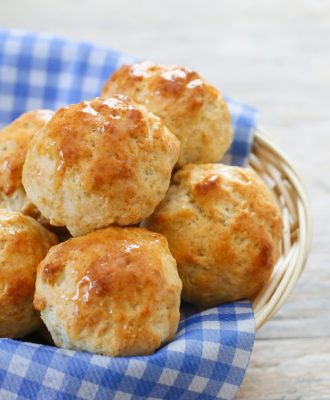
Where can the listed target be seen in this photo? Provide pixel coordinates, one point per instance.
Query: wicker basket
(274, 168)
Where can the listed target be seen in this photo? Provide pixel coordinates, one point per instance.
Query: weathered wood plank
(306, 313)
(288, 370)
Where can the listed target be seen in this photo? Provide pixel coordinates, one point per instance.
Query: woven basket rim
(281, 177)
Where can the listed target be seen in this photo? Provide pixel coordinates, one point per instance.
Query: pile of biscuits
(152, 217)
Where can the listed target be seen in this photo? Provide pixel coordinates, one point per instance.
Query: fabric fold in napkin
(210, 353)
(208, 356)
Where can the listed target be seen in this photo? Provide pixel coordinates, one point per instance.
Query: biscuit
(23, 244)
(191, 108)
(115, 292)
(224, 230)
(101, 162)
(14, 142)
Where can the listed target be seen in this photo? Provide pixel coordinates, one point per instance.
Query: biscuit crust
(224, 230)
(23, 244)
(190, 107)
(115, 291)
(101, 162)
(14, 143)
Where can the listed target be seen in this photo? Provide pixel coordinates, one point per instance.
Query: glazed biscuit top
(170, 87)
(129, 255)
(191, 108)
(23, 244)
(14, 143)
(92, 130)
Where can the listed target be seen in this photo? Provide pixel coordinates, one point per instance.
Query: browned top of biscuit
(171, 88)
(92, 130)
(125, 246)
(14, 143)
(190, 107)
(223, 227)
(23, 244)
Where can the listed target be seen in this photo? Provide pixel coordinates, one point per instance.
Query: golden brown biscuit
(101, 162)
(224, 230)
(14, 142)
(191, 108)
(23, 244)
(115, 291)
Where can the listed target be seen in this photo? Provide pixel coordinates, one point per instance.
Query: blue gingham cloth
(210, 353)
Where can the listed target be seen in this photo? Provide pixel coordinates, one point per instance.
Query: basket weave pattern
(278, 174)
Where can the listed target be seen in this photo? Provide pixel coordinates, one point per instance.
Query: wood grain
(274, 55)
(289, 369)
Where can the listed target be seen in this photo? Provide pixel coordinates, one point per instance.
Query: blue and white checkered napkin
(210, 353)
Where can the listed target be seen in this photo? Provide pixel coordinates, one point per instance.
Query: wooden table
(274, 55)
